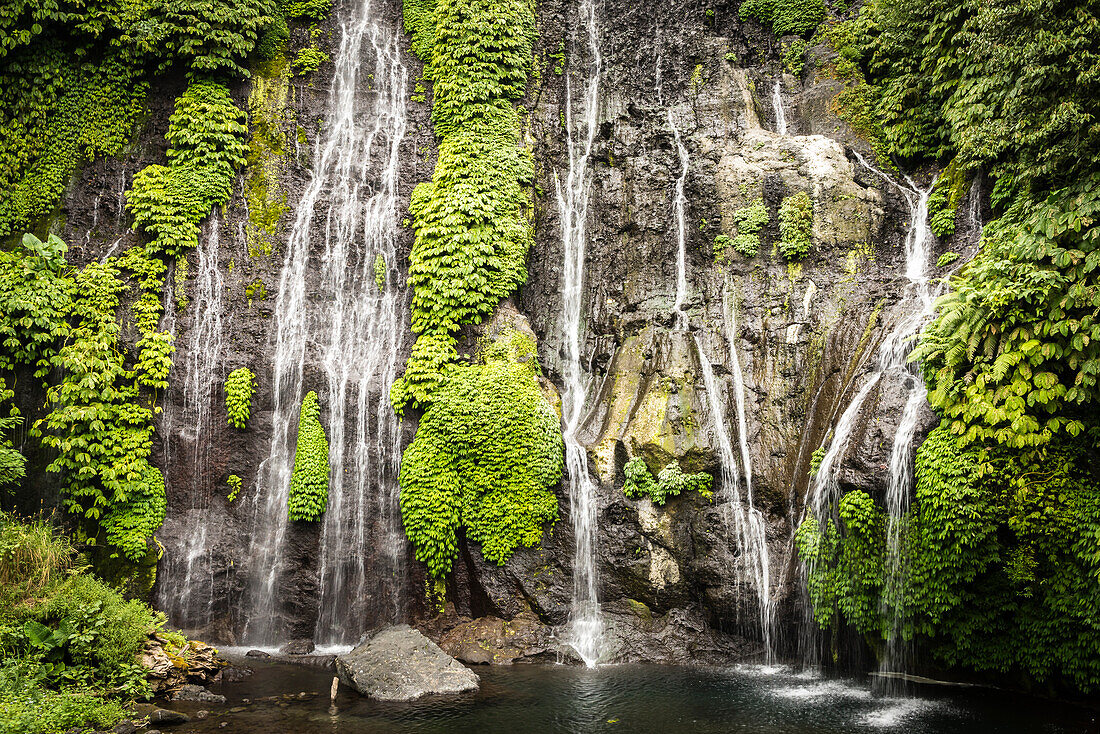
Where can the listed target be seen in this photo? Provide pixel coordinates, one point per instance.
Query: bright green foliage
(102, 434)
(309, 481)
(946, 259)
(309, 60)
(816, 458)
(471, 219)
(722, 244)
(239, 386)
(796, 223)
(750, 220)
(944, 200)
(207, 138)
(306, 9)
(794, 56)
(472, 233)
(1005, 549)
(74, 76)
(67, 640)
(55, 113)
(214, 36)
(380, 271)
(235, 484)
(799, 17)
(487, 455)
(432, 357)
(998, 84)
(12, 463)
(35, 297)
(670, 482)
(1014, 353)
(845, 569)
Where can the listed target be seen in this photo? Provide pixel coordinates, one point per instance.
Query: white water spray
(355, 329)
(586, 625)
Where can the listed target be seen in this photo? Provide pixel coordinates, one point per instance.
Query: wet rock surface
(399, 663)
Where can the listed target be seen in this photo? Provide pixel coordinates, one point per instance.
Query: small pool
(280, 699)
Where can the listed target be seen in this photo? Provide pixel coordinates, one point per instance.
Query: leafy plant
(670, 482)
(235, 484)
(794, 56)
(309, 480)
(796, 221)
(799, 17)
(239, 386)
(487, 455)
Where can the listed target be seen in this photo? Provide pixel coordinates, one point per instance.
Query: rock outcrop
(399, 663)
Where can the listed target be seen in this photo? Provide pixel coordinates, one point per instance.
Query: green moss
(255, 291)
(266, 157)
(309, 480)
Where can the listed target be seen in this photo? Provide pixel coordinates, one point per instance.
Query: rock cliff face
(803, 333)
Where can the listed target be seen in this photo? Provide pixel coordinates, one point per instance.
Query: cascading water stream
(891, 361)
(586, 625)
(354, 327)
(186, 582)
(679, 203)
(777, 104)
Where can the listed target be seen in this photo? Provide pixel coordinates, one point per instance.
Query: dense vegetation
(488, 449)
(68, 642)
(1002, 538)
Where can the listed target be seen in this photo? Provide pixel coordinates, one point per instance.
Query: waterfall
(745, 525)
(186, 584)
(891, 361)
(352, 329)
(586, 626)
(777, 103)
(679, 202)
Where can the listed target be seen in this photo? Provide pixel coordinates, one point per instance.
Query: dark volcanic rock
(400, 664)
(302, 646)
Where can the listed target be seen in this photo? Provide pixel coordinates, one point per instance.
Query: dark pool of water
(637, 699)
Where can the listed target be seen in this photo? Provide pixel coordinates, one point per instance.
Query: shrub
(749, 220)
(487, 455)
(786, 17)
(309, 481)
(796, 221)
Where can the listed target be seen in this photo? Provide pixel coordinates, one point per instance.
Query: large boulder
(398, 663)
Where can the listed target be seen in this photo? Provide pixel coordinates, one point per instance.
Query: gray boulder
(399, 664)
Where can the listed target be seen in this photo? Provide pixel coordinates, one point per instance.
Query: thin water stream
(586, 626)
(777, 104)
(917, 308)
(186, 584)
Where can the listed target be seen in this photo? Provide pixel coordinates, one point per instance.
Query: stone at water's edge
(399, 664)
